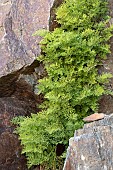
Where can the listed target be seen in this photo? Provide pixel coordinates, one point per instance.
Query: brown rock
(22, 102)
(18, 21)
(10, 157)
(94, 117)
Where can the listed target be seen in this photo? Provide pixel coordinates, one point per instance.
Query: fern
(72, 87)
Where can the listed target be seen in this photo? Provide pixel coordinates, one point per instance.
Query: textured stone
(93, 117)
(19, 19)
(10, 157)
(91, 148)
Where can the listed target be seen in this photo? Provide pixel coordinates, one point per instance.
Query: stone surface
(91, 148)
(94, 117)
(10, 157)
(19, 19)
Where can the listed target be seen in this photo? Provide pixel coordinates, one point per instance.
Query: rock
(94, 117)
(18, 21)
(91, 148)
(52, 21)
(10, 157)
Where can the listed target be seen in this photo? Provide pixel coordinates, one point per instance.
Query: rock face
(19, 19)
(91, 148)
(19, 71)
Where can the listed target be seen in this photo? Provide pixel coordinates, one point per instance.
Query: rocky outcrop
(19, 70)
(91, 148)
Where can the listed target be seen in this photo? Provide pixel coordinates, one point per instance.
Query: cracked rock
(91, 148)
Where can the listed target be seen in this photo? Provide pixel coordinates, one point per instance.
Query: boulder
(19, 19)
(91, 148)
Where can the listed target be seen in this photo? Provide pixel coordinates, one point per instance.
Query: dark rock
(21, 103)
(10, 156)
(91, 148)
(52, 21)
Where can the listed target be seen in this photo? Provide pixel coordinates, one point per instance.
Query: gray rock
(91, 148)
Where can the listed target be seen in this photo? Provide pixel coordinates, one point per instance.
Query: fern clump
(71, 55)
